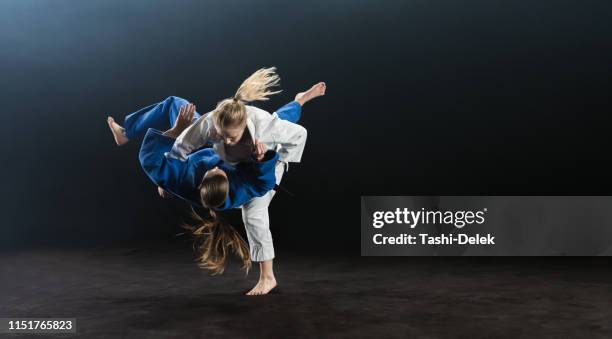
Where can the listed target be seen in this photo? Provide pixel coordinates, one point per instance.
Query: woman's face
(231, 135)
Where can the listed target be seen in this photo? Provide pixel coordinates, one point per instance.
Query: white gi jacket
(285, 137)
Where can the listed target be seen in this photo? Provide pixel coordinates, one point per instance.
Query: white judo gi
(285, 137)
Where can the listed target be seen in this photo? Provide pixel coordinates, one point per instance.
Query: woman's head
(230, 120)
(230, 114)
(214, 188)
(215, 236)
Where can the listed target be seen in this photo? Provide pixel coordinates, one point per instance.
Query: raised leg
(160, 116)
(291, 112)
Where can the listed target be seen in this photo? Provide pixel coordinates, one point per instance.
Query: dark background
(424, 97)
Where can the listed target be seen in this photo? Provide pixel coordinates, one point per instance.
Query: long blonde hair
(214, 238)
(232, 111)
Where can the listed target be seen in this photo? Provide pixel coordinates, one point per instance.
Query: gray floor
(138, 293)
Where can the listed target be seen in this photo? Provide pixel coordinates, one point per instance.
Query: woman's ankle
(267, 276)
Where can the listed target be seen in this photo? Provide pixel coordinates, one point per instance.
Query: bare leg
(315, 91)
(266, 282)
(118, 132)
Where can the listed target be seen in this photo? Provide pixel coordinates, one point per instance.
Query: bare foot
(314, 91)
(264, 286)
(118, 132)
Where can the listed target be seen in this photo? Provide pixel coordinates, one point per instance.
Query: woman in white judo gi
(234, 128)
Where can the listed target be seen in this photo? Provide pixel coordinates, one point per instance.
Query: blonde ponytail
(232, 111)
(257, 86)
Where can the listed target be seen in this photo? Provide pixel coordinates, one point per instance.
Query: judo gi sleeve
(192, 138)
(265, 179)
(289, 138)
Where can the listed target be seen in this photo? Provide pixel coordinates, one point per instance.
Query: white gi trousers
(257, 222)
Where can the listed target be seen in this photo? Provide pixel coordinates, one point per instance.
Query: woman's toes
(320, 88)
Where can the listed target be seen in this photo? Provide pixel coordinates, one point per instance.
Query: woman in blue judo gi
(184, 178)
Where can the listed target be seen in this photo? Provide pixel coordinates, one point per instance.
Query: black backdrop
(424, 97)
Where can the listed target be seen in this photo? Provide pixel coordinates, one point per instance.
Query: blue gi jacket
(182, 178)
